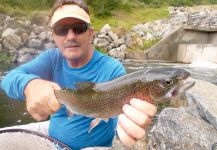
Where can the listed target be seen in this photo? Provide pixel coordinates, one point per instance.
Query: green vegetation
(148, 43)
(5, 58)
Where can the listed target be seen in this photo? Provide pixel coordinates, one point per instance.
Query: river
(13, 112)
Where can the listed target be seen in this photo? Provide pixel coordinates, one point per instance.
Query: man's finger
(141, 118)
(39, 117)
(144, 106)
(124, 137)
(131, 128)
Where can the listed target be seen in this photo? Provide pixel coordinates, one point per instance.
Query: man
(74, 60)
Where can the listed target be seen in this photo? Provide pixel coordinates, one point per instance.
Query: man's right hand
(40, 99)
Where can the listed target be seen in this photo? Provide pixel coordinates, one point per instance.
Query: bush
(105, 8)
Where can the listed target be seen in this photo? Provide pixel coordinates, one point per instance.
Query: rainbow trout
(105, 100)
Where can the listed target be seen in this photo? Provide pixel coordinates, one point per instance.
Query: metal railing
(202, 20)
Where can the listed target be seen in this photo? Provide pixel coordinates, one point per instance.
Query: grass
(123, 20)
(18, 12)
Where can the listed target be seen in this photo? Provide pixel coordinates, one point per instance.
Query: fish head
(169, 83)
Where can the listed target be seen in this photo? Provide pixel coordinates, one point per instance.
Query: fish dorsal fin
(84, 85)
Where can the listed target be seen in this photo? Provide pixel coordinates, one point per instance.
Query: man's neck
(82, 61)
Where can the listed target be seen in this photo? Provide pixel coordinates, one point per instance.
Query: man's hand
(40, 99)
(134, 121)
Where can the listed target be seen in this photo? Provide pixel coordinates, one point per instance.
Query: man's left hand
(132, 124)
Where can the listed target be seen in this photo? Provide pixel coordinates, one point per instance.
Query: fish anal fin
(93, 124)
(69, 112)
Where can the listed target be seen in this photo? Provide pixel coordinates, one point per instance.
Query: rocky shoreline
(21, 40)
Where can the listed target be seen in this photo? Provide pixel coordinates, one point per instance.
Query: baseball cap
(69, 11)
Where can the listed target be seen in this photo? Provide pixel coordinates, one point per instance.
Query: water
(14, 112)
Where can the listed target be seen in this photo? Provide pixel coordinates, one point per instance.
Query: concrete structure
(186, 45)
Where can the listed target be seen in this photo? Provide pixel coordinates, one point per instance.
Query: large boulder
(188, 128)
(182, 129)
(11, 40)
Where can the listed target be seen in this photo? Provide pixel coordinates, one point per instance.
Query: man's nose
(70, 34)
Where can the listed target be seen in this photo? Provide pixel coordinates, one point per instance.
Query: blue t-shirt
(52, 66)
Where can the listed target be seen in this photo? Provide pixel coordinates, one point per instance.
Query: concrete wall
(185, 42)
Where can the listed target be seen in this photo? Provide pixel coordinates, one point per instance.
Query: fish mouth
(182, 86)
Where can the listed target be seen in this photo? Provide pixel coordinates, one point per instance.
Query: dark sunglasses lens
(76, 28)
(61, 30)
(80, 28)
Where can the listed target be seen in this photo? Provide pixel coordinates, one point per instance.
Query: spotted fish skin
(105, 100)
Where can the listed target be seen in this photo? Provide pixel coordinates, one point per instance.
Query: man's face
(74, 46)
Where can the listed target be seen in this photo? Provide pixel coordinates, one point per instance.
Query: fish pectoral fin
(69, 112)
(93, 124)
(84, 85)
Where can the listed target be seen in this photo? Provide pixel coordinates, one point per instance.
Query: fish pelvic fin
(95, 122)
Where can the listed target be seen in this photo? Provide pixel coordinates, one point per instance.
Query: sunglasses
(62, 30)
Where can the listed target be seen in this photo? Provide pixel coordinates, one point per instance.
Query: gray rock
(40, 19)
(1, 47)
(205, 97)
(25, 38)
(119, 42)
(49, 45)
(105, 29)
(37, 29)
(113, 36)
(117, 53)
(8, 31)
(182, 129)
(12, 23)
(1, 30)
(102, 43)
(24, 58)
(11, 41)
(43, 36)
(123, 47)
(34, 43)
(2, 18)
(32, 35)
(25, 50)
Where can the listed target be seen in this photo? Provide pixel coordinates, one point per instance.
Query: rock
(117, 53)
(37, 29)
(8, 31)
(119, 42)
(105, 29)
(123, 47)
(1, 30)
(182, 129)
(49, 45)
(43, 36)
(11, 41)
(102, 43)
(113, 36)
(40, 19)
(32, 35)
(205, 97)
(2, 18)
(1, 47)
(12, 23)
(25, 38)
(34, 43)
(24, 58)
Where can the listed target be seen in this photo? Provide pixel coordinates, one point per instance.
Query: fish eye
(168, 82)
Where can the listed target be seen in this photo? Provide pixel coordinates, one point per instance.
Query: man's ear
(92, 33)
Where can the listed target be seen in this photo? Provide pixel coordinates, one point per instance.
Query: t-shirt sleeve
(16, 80)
